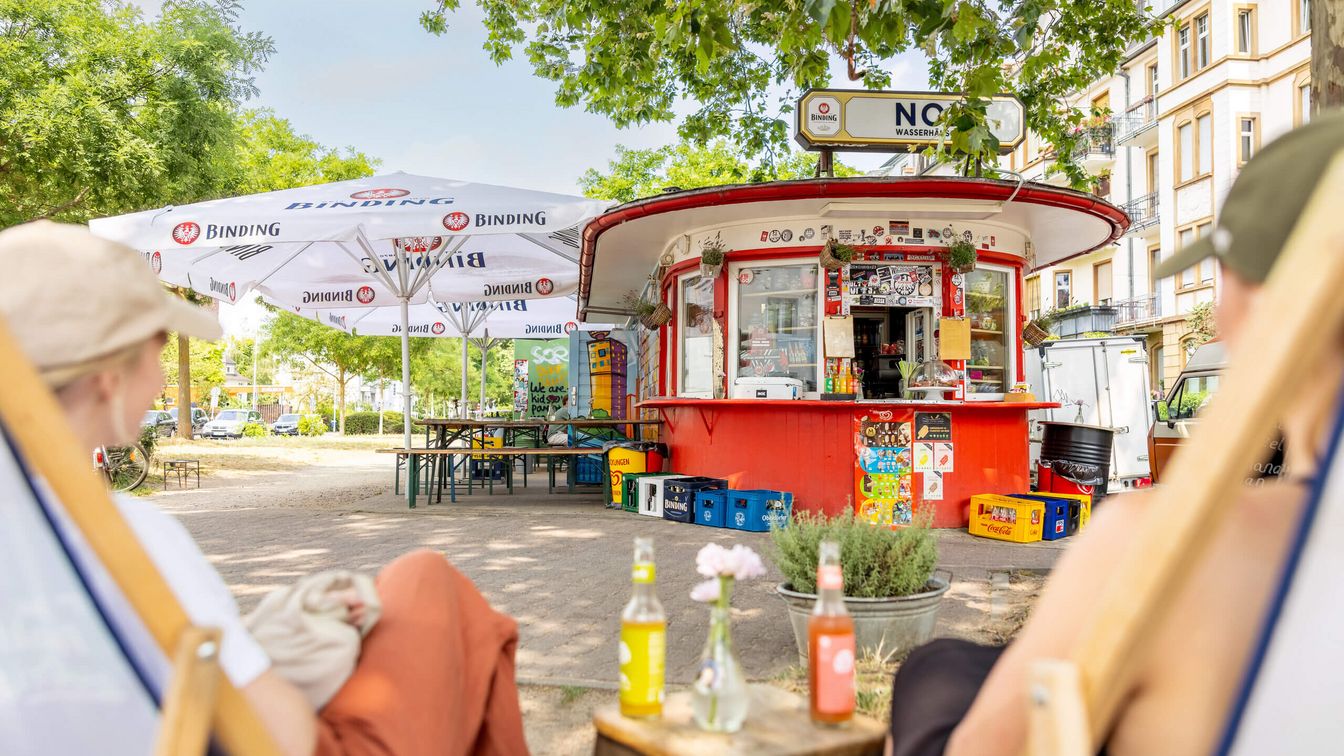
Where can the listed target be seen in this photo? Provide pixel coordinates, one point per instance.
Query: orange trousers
(435, 676)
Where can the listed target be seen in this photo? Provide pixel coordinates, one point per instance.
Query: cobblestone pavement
(558, 564)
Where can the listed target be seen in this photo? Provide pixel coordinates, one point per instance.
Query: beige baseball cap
(70, 297)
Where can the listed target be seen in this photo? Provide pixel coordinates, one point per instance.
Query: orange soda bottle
(830, 644)
(643, 641)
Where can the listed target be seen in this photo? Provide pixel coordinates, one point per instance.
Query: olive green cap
(1265, 201)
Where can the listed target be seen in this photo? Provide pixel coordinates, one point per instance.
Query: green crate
(629, 497)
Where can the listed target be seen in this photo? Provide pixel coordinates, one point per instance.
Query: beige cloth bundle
(304, 631)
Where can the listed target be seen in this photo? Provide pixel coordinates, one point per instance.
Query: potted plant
(835, 255)
(652, 315)
(890, 587)
(712, 254)
(961, 256)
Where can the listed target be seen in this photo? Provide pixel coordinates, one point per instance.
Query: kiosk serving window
(989, 307)
(776, 319)
(695, 350)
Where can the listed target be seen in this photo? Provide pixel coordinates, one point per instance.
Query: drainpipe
(1129, 192)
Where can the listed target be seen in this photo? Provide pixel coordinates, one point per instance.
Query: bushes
(312, 425)
(255, 430)
(877, 562)
(149, 438)
(366, 423)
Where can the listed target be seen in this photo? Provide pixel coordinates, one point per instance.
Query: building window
(1153, 165)
(1303, 16)
(1203, 273)
(1185, 147)
(1152, 79)
(777, 322)
(1102, 283)
(1207, 266)
(1246, 138)
(695, 326)
(1183, 50)
(1063, 289)
(1204, 144)
(1187, 277)
(1304, 103)
(1033, 286)
(1202, 42)
(1154, 260)
(1245, 31)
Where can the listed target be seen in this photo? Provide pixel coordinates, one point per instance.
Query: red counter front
(808, 447)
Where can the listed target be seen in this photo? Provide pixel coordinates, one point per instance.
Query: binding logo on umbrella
(226, 289)
(364, 295)
(570, 326)
(545, 286)
(380, 194)
(456, 221)
(156, 262)
(419, 244)
(186, 232)
(437, 328)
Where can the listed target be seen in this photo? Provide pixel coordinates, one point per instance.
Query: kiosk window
(989, 308)
(776, 312)
(695, 323)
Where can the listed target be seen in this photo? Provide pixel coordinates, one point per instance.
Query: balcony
(1132, 313)
(1138, 126)
(1076, 321)
(1095, 149)
(1143, 216)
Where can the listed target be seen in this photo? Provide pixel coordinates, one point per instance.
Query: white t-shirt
(198, 587)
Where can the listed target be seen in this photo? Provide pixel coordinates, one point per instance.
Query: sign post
(879, 121)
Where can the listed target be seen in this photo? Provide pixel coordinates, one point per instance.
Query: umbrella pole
(485, 349)
(465, 372)
(406, 370)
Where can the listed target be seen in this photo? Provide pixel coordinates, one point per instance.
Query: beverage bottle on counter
(830, 377)
(830, 644)
(643, 641)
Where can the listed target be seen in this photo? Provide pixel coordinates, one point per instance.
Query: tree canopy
(102, 112)
(633, 174)
(741, 65)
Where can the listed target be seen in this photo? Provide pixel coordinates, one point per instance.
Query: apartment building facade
(1187, 110)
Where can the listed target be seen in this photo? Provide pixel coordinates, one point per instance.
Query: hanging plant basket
(710, 271)
(961, 256)
(656, 318)
(712, 256)
(834, 255)
(1033, 334)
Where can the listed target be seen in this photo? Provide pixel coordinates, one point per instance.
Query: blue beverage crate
(1061, 516)
(679, 495)
(711, 507)
(590, 470)
(757, 509)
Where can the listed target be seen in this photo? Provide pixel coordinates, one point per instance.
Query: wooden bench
(777, 723)
(413, 467)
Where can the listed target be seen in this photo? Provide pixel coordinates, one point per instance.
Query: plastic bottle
(830, 644)
(643, 640)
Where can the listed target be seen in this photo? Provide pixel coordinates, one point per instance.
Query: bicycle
(125, 467)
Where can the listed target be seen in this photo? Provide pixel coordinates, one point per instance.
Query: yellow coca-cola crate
(1006, 518)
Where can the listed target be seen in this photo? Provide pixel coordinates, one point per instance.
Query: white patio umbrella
(396, 237)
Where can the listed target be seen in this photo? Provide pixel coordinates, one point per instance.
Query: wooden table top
(537, 423)
(777, 723)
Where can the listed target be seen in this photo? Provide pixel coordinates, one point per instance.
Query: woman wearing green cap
(958, 698)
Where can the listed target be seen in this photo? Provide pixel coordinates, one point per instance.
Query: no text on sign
(868, 120)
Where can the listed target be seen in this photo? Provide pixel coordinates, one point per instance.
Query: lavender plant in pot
(712, 255)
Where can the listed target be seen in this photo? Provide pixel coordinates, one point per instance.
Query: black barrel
(1080, 453)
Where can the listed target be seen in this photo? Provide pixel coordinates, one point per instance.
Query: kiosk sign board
(880, 121)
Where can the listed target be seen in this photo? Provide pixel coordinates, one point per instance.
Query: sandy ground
(269, 511)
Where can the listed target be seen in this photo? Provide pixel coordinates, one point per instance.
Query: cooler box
(628, 458)
(630, 490)
(650, 490)
(757, 509)
(711, 507)
(679, 496)
(1006, 518)
(767, 388)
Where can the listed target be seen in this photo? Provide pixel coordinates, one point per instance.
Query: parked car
(229, 423)
(286, 425)
(1176, 418)
(161, 421)
(199, 418)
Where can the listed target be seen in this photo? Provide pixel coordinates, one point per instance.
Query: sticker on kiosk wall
(933, 426)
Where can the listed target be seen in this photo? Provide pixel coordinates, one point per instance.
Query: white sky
(365, 75)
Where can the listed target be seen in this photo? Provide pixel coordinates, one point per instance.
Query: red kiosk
(739, 376)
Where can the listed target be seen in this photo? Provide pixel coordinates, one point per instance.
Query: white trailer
(1102, 381)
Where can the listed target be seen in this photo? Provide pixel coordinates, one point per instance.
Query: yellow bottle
(643, 640)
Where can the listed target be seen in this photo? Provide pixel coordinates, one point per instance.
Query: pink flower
(739, 562)
(706, 592)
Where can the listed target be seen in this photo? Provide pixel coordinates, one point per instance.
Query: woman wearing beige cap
(435, 674)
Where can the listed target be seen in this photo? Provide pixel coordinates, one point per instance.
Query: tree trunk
(1327, 55)
(183, 387)
(380, 405)
(340, 398)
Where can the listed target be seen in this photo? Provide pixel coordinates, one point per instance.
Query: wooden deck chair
(96, 654)
(1075, 700)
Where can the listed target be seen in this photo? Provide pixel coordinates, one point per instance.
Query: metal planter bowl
(883, 626)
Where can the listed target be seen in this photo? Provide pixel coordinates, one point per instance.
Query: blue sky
(365, 75)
